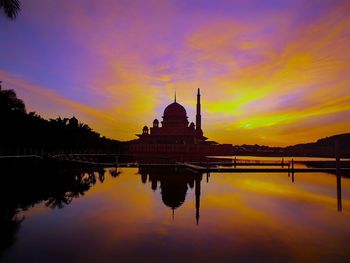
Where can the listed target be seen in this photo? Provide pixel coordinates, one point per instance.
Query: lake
(157, 215)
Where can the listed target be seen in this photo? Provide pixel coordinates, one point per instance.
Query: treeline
(28, 133)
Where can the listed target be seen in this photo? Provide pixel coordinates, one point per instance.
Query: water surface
(171, 216)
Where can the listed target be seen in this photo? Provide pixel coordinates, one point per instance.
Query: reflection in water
(9, 226)
(338, 188)
(23, 187)
(339, 195)
(123, 214)
(173, 185)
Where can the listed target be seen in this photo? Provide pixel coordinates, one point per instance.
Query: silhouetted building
(175, 128)
(176, 138)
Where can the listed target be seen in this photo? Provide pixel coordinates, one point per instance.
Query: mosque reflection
(173, 185)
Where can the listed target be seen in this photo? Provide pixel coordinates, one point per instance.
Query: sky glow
(270, 72)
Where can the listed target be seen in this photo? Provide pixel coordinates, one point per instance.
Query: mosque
(174, 137)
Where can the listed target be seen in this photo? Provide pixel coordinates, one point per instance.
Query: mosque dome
(175, 110)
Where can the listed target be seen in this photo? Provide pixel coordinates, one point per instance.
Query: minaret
(198, 114)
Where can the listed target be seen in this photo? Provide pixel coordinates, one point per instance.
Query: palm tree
(10, 8)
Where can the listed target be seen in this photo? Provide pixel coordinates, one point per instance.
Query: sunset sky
(270, 72)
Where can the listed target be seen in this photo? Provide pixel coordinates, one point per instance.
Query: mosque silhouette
(176, 139)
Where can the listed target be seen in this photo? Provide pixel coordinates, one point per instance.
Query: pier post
(116, 160)
(282, 162)
(337, 157)
(288, 169)
(235, 161)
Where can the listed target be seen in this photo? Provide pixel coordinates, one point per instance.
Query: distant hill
(324, 147)
(343, 139)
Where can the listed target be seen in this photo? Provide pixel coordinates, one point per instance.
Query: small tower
(145, 130)
(192, 127)
(155, 123)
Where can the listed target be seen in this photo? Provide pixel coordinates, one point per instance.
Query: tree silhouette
(10, 102)
(46, 136)
(10, 8)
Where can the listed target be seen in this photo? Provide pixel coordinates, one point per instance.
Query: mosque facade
(176, 138)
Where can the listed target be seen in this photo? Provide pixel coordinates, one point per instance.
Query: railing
(259, 161)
